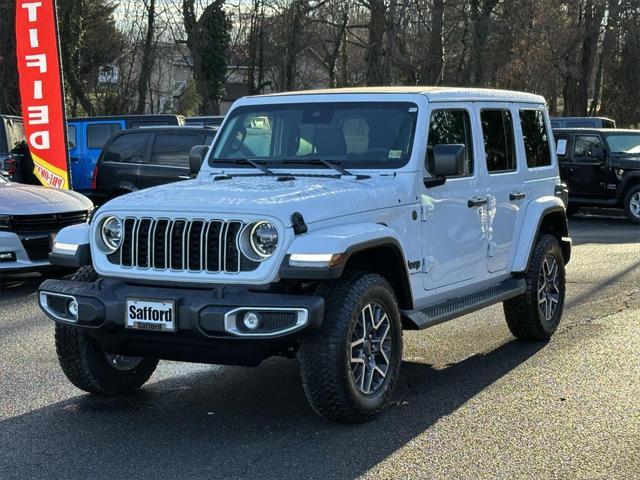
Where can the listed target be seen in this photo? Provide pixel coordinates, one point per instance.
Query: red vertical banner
(41, 90)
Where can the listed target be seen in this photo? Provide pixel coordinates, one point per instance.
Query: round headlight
(264, 239)
(111, 232)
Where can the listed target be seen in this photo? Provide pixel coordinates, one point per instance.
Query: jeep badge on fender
(322, 224)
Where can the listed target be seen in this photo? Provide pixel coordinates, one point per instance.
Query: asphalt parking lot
(472, 403)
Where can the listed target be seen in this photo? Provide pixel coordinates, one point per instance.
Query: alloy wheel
(548, 288)
(634, 205)
(371, 347)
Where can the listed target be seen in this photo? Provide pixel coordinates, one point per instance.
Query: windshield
(355, 135)
(624, 143)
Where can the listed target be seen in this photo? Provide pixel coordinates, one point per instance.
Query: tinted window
(450, 126)
(583, 145)
(71, 136)
(127, 148)
(15, 134)
(534, 134)
(497, 130)
(99, 133)
(173, 149)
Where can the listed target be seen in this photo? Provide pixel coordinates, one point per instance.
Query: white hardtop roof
(434, 94)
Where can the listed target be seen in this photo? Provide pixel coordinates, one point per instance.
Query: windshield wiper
(246, 161)
(334, 164)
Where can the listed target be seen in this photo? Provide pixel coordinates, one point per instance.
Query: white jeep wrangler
(321, 225)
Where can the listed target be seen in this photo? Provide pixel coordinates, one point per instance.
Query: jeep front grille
(190, 245)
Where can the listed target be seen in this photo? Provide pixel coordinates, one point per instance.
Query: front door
(169, 159)
(587, 176)
(454, 241)
(504, 182)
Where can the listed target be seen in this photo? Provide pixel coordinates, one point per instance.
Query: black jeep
(601, 167)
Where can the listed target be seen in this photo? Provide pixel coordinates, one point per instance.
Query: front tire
(632, 204)
(536, 314)
(89, 367)
(349, 367)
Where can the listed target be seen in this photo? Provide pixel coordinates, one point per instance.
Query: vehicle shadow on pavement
(13, 287)
(604, 230)
(231, 422)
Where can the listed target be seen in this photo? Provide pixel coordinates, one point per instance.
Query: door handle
(517, 196)
(476, 202)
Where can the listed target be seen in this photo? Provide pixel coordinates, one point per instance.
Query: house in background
(172, 75)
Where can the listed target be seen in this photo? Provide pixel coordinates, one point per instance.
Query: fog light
(72, 308)
(251, 320)
(7, 256)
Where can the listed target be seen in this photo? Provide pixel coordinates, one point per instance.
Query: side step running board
(441, 312)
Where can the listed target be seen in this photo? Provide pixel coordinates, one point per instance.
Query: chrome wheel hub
(371, 346)
(548, 288)
(123, 362)
(634, 204)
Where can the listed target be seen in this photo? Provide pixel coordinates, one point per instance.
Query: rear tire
(536, 314)
(349, 367)
(86, 364)
(632, 204)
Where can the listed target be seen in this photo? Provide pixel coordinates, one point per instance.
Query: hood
(629, 162)
(317, 198)
(20, 199)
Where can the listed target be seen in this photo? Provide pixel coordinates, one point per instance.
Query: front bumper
(206, 320)
(18, 257)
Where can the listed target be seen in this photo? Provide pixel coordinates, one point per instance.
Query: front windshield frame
(635, 150)
(217, 159)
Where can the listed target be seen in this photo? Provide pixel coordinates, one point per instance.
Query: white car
(30, 218)
(321, 225)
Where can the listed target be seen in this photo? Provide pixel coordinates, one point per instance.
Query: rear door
(169, 158)
(96, 136)
(504, 182)
(74, 144)
(587, 174)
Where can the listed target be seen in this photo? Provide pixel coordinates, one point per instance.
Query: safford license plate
(151, 315)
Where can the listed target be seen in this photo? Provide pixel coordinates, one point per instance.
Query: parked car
(87, 136)
(320, 226)
(601, 167)
(13, 149)
(211, 121)
(582, 122)
(146, 157)
(30, 218)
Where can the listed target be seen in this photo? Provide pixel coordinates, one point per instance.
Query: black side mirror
(448, 161)
(196, 157)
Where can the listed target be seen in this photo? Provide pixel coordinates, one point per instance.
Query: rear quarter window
(128, 148)
(535, 138)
